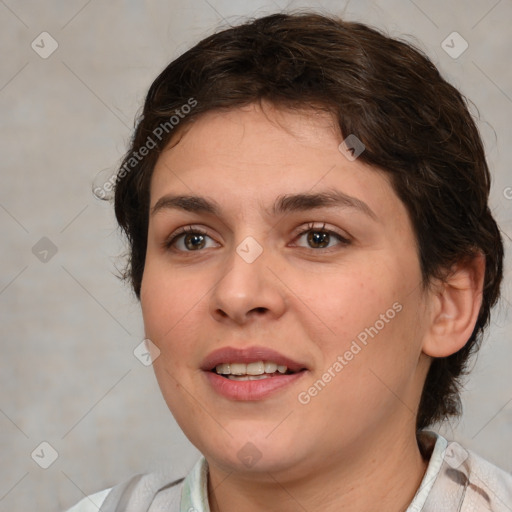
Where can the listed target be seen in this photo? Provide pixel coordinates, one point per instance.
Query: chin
(251, 461)
(251, 454)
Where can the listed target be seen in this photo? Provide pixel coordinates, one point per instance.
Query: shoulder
(492, 483)
(144, 490)
(91, 503)
(459, 479)
(472, 482)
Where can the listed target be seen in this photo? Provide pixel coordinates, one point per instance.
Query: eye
(187, 239)
(317, 237)
(193, 239)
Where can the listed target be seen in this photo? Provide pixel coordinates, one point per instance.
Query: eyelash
(170, 241)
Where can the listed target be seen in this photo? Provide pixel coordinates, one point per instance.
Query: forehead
(252, 154)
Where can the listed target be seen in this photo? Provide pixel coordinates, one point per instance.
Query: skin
(353, 446)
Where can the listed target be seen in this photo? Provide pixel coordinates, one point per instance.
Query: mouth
(257, 370)
(251, 361)
(250, 374)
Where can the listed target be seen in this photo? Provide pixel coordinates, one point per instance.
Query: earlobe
(455, 307)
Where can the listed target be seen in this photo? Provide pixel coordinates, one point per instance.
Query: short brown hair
(414, 125)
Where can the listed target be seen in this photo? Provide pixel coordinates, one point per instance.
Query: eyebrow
(284, 204)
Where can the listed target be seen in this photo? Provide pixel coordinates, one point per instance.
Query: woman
(306, 205)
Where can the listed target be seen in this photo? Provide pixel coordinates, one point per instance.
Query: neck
(384, 475)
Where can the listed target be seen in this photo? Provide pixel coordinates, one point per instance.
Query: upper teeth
(256, 368)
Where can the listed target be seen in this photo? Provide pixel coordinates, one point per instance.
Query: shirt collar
(434, 445)
(194, 495)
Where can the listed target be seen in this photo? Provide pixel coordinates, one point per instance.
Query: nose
(247, 290)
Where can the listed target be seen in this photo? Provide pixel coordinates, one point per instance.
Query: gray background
(69, 327)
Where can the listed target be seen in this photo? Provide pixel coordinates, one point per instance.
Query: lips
(246, 388)
(249, 355)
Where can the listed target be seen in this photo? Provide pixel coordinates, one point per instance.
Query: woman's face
(295, 256)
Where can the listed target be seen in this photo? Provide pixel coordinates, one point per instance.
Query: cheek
(379, 357)
(170, 307)
(369, 317)
(338, 306)
(169, 312)
(166, 294)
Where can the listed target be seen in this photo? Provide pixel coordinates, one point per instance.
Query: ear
(455, 304)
